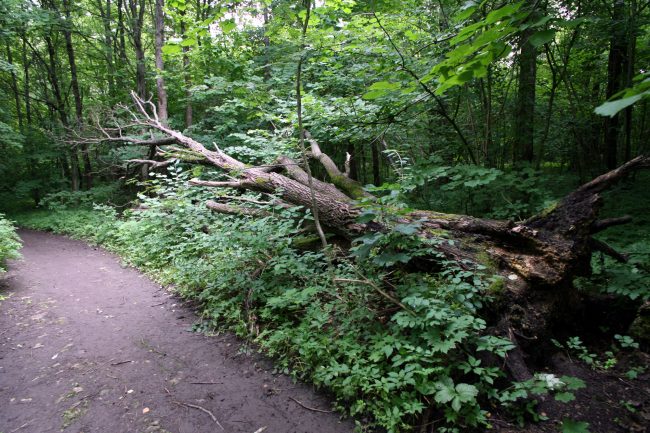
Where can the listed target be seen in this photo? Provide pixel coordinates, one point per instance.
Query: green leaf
(444, 395)
(467, 10)
(541, 38)
(389, 258)
(466, 392)
(565, 397)
(571, 426)
(611, 108)
(171, 49)
(227, 26)
(499, 14)
(188, 42)
(374, 94)
(384, 85)
(573, 383)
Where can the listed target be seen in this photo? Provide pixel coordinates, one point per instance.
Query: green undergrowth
(631, 279)
(9, 243)
(384, 342)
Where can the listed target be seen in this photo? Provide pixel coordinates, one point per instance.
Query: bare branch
(296, 172)
(338, 178)
(236, 210)
(152, 163)
(225, 184)
(608, 250)
(600, 225)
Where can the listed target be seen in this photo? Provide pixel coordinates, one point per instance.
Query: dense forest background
(400, 86)
(111, 111)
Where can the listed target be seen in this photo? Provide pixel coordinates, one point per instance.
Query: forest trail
(89, 346)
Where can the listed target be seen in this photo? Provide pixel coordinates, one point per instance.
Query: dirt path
(88, 346)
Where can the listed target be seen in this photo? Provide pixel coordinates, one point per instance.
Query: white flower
(552, 382)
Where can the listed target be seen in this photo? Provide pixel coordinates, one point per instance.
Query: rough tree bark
(525, 109)
(615, 68)
(159, 41)
(74, 83)
(537, 258)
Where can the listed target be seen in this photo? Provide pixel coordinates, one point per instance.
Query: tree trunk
(376, 174)
(74, 83)
(159, 40)
(108, 45)
(267, 44)
(136, 11)
(615, 63)
(354, 170)
(26, 90)
(120, 31)
(60, 108)
(525, 108)
(14, 88)
(187, 76)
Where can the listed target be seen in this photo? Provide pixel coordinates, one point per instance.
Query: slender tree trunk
(629, 74)
(615, 64)
(14, 88)
(267, 44)
(525, 109)
(74, 83)
(137, 8)
(376, 174)
(187, 76)
(159, 40)
(354, 170)
(108, 45)
(120, 30)
(60, 108)
(26, 90)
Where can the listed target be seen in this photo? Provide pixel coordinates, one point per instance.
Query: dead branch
(310, 408)
(224, 184)
(202, 409)
(351, 187)
(601, 246)
(236, 210)
(600, 225)
(152, 163)
(295, 172)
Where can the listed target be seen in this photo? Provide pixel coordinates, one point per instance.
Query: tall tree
(159, 40)
(136, 10)
(74, 84)
(525, 107)
(615, 69)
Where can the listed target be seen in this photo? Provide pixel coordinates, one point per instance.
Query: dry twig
(202, 409)
(311, 408)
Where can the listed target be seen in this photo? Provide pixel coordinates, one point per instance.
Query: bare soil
(87, 345)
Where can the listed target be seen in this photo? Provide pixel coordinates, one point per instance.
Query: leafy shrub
(480, 191)
(60, 200)
(9, 243)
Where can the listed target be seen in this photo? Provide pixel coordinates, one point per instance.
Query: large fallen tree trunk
(537, 258)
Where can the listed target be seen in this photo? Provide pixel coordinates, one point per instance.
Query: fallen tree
(537, 258)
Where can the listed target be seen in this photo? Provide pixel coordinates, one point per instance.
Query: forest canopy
(392, 198)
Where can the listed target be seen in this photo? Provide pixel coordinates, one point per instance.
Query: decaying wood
(537, 258)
